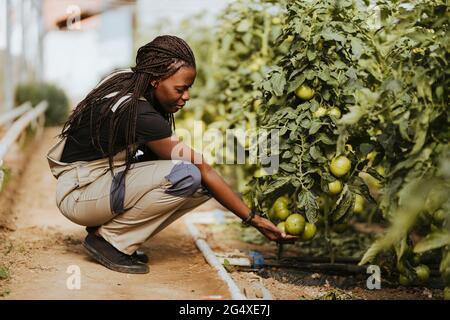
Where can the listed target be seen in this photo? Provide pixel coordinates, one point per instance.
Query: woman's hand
(270, 231)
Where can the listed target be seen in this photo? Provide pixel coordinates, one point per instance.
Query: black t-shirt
(150, 125)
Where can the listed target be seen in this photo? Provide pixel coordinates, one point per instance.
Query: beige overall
(153, 195)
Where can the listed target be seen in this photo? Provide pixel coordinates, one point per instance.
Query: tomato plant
(359, 96)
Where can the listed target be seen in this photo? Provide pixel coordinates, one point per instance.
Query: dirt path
(44, 245)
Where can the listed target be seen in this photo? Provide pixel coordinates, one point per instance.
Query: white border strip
(266, 293)
(214, 262)
(211, 217)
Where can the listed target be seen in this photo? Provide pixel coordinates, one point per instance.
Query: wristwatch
(247, 221)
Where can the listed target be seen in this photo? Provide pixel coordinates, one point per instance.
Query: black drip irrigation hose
(343, 266)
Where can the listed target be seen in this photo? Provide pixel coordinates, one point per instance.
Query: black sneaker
(103, 252)
(138, 255)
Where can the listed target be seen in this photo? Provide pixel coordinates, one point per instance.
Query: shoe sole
(110, 265)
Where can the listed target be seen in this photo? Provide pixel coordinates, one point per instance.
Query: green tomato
(282, 200)
(304, 92)
(439, 215)
(340, 166)
(295, 224)
(321, 202)
(282, 213)
(271, 214)
(309, 232)
(335, 187)
(335, 112)
(403, 280)
(282, 226)
(320, 112)
(422, 272)
(280, 207)
(447, 293)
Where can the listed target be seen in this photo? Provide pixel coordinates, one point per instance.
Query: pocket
(65, 185)
(96, 189)
(88, 173)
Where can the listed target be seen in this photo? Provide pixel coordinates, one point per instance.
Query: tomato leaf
(434, 240)
(288, 167)
(315, 126)
(307, 202)
(343, 205)
(276, 184)
(278, 82)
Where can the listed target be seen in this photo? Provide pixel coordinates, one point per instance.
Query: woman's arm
(172, 148)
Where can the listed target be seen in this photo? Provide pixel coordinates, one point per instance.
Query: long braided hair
(157, 60)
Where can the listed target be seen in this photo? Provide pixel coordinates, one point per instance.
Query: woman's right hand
(270, 231)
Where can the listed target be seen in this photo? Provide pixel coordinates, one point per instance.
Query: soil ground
(294, 283)
(38, 245)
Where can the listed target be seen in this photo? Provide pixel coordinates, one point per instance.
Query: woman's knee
(186, 179)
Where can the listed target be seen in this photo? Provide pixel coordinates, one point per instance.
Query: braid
(157, 60)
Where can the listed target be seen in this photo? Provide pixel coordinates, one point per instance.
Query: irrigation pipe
(214, 262)
(212, 259)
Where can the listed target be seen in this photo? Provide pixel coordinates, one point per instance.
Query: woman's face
(173, 93)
